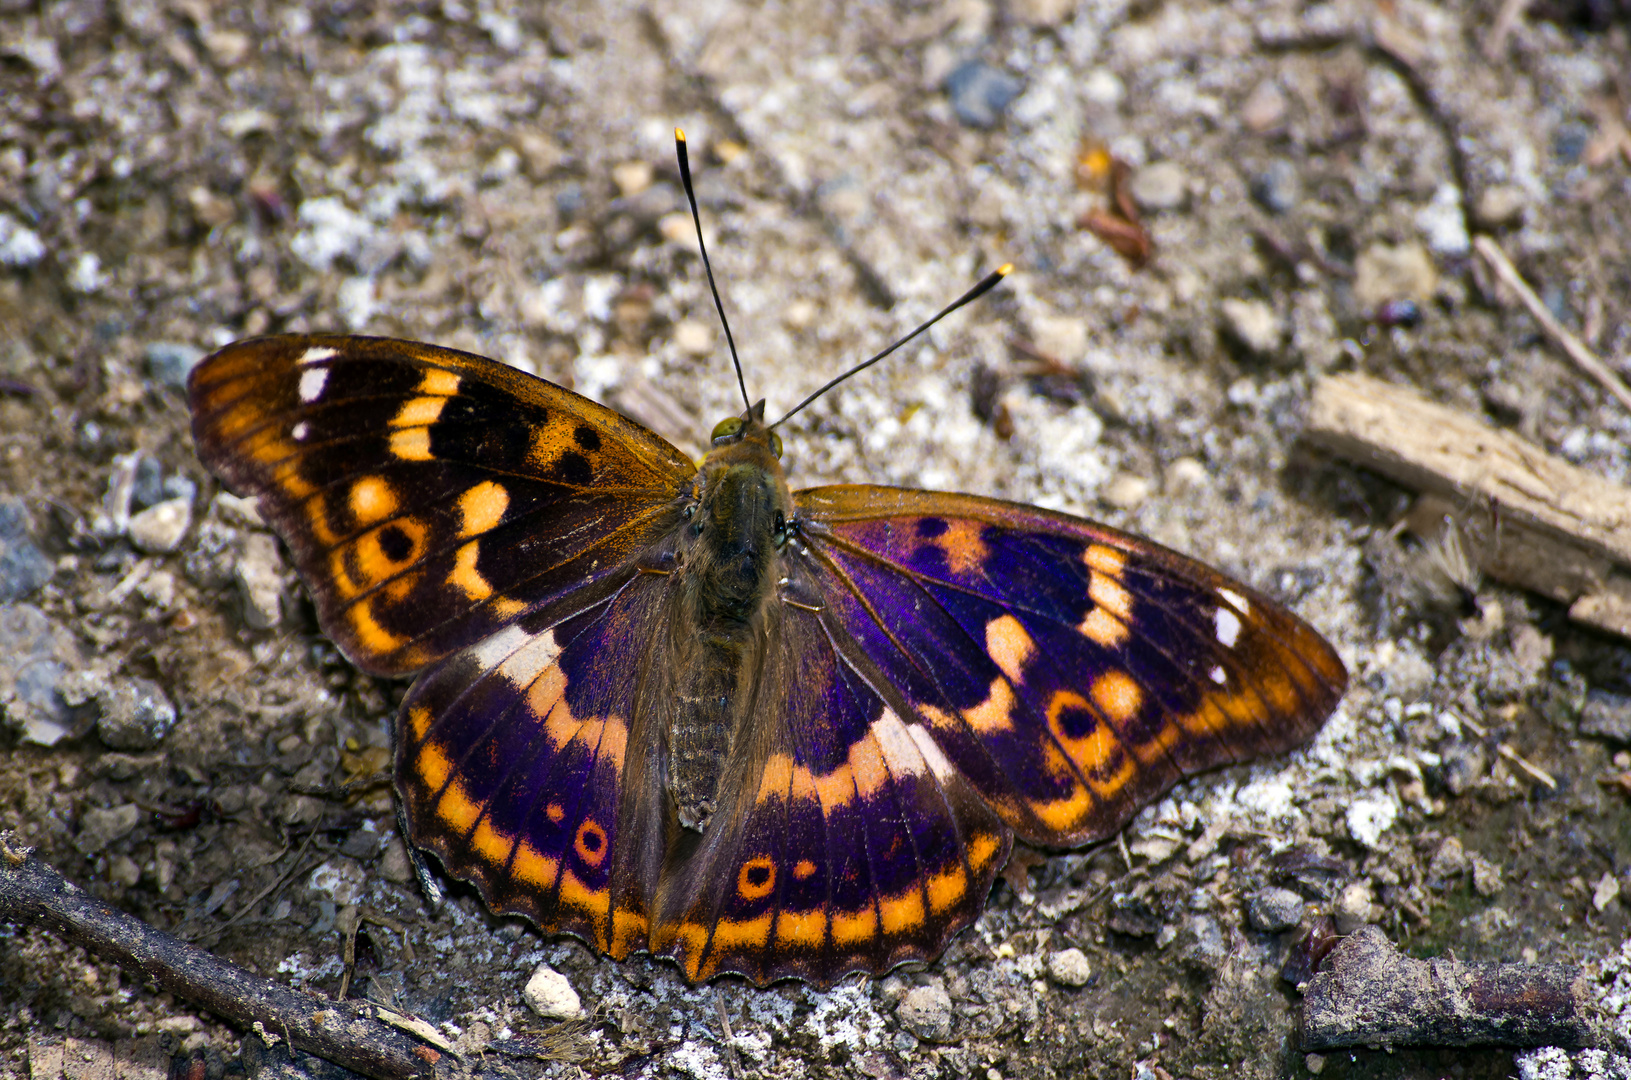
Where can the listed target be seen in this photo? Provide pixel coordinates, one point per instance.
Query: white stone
(1126, 491)
(1369, 818)
(1608, 891)
(1161, 186)
(693, 338)
(551, 996)
(1069, 967)
(260, 579)
(1253, 323)
(158, 529)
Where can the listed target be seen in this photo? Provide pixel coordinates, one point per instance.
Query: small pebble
(19, 245)
(159, 529)
(632, 177)
(694, 338)
(147, 487)
(1607, 716)
(1501, 206)
(1253, 323)
(1161, 186)
(98, 828)
(1486, 877)
(1607, 891)
(24, 568)
(170, 362)
(1274, 909)
(1355, 908)
(1443, 223)
(1448, 864)
(551, 996)
(1126, 491)
(115, 517)
(1264, 108)
(239, 511)
(1185, 474)
(1369, 818)
(1384, 272)
(925, 1011)
(259, 573)
(136, 714)
(1069, 967)
(1277, 188)
(123, 870)
(979, 93)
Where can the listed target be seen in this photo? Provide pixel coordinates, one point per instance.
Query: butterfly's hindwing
(428, 496)
(851, 845)
(1070, 672)
(527, 764)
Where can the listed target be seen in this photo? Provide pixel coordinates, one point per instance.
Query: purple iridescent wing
(1069, 672)
(849, 842)
(529, 763)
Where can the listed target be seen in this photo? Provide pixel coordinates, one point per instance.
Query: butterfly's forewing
(847, 843)
(429, 497)
(528, 764)
(1070, 672)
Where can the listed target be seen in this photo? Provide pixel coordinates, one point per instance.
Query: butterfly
(686, 710)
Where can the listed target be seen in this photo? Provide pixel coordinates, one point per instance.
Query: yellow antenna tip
(679, 134)
(1005, 269)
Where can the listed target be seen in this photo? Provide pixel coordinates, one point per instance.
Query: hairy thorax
(730, 570)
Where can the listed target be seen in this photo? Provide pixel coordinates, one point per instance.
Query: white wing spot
(1238, 602)
(300, 431)
(315, 355)
(496, 648)
(1218, 676)
(899, 751)
(938, 764)
(311, 384)
(1228, 627)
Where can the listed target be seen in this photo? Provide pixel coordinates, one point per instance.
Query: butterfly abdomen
(732, 563)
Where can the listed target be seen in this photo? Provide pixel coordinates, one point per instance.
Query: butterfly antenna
(696, 218)
(986, 284)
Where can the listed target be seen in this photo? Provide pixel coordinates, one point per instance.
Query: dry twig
(1584, 358)
(31, 891)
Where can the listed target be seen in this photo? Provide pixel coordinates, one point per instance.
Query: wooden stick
(31, 891)
(1369, 994)
(1530, 519)
(1584, 358)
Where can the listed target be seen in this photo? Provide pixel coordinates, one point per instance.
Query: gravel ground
(176, 176)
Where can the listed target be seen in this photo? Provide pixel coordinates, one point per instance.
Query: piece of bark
(1531, 519)
(1369, 994)
(346, 1034)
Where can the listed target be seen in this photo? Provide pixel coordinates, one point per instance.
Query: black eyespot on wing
(394, 543)
(575, 469)
(587, 438)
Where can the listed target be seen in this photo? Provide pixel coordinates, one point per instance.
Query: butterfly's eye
(776, 445)
(778, 531)
(727, 428)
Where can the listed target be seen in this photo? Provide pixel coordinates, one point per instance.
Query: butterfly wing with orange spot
(1070, 673)
(429, 497)
(529, 764)
(848, 843)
